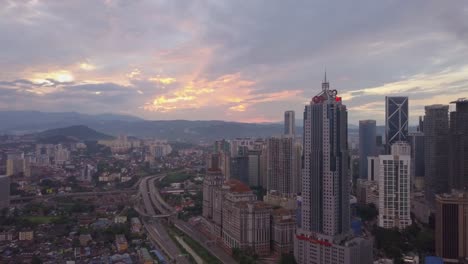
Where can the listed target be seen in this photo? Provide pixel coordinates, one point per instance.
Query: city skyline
(220, 131)
(171, 60)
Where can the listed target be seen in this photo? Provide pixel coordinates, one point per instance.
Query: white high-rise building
(394, 187)
(61, 155)
(241, 143)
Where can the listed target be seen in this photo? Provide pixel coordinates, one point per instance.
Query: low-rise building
(276, 199)
(121, 243)
(6, 236)
(120, 219)
(136, 225)
(367, 192)
(85, 239)
(26, 235)
(144, 256)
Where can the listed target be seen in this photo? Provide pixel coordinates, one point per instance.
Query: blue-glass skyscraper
(367, 144)
(396, 119)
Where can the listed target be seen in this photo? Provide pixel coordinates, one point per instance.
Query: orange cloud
(59, 76)
(238, 108)
(87, 66)
(166, 80)
(134, 73)
(221, 92)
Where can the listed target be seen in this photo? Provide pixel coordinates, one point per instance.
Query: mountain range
(28, 122)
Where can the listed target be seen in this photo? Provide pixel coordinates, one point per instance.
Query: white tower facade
(394, 187)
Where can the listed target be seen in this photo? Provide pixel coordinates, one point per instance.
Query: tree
(36, 260)
(390, 241)
(287, 259)
(367, 212)
(132, 213)
(244, 256)
(424, 241)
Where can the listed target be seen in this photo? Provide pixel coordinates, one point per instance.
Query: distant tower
(396, 119)
(15, 163)
(4, 191)
(416, 140)
(436, 128)
(458, 142)
(367, 144)
(325, 210)
(283, 174)
(289, 123)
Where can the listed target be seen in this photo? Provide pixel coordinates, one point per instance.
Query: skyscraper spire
(325, 84)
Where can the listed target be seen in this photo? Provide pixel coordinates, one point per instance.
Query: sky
(245, 61)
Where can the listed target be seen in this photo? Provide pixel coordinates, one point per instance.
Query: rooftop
(454, 195)
(237, 186)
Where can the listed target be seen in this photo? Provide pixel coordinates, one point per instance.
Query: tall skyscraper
(254, 167)
(394, 187)
(289, 123)
(324, 234)
(367, 144)
(4, 191)
(396, 119)
(436, 127)
(283, 173)
(416, 141)
(458, 142)
(451, 230)
(239, 169)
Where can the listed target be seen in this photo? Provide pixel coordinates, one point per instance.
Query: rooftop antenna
(325, 84)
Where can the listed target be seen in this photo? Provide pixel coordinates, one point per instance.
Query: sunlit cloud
(61, 76)
(166, 80)
(134, 73)
(229, 92)
(238, 108)
(87, 66)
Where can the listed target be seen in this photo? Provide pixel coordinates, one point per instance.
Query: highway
(155, 229)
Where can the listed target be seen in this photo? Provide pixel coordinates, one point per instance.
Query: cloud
(87, 66)
(235, 60)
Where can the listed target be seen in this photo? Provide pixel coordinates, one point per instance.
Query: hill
(80, 132)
